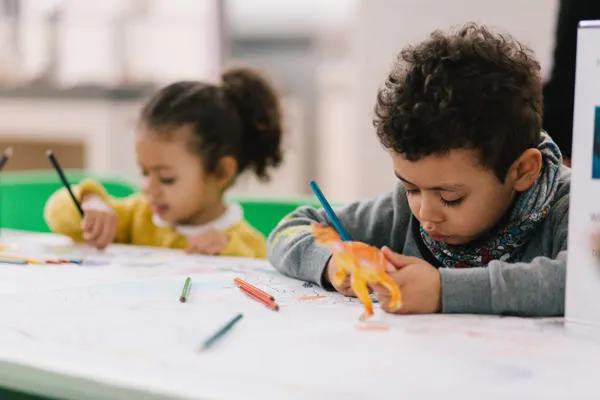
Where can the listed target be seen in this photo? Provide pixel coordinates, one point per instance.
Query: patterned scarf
(529, 210)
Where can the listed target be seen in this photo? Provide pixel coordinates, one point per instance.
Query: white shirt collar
(232, 215)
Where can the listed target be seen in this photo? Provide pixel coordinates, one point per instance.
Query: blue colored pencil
(4, 260)
(334, 219)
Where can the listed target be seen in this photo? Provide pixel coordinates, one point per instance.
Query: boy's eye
(450, 203)
(167, 181)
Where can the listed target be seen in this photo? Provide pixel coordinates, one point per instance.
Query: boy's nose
(429, 214)
(428, 226)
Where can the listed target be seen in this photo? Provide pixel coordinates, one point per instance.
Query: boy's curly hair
(472, 89)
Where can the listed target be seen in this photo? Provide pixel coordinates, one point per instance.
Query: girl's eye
(412, 191)
(450, 203)
(167, 181)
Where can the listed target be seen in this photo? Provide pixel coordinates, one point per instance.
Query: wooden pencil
(5, 156)
(221, 332)
(253, 288)
(269, 303)
(12, 261)
(63, 179)
(27, 260)
(186, 290)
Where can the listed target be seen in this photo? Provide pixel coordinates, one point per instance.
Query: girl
(193, 139)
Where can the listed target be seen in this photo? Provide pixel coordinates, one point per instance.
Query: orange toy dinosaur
(365, 264)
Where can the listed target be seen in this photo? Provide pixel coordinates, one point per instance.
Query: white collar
(232, 215)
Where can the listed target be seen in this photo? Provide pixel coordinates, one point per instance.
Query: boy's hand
(419, 282)
(211, 242)
(344, 288)
(99, 224)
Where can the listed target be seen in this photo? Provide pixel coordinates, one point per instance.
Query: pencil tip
(8, 151)
(48, 153)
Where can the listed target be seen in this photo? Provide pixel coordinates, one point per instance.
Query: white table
(118, 331)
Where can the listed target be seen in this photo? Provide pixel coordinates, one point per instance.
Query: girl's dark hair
(240, 118)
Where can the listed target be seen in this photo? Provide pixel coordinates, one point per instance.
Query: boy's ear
(526, 169)
(226, 171)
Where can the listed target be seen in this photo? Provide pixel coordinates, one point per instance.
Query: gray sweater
(534, 285)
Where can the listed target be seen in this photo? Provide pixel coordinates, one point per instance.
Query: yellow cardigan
(135, 224)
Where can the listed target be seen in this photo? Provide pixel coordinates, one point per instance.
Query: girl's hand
(99, 224)
(211, 242)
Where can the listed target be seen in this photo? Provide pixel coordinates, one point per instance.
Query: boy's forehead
(455, 168)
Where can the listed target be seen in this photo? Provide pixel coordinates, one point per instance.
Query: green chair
(265, 213)
(23, 195)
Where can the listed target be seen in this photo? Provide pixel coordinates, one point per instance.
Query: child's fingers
(197, 247)
(87, 226)
(107, 234)
(389, 267)
(98, 227)
(211, 242)
(383, 298)
(192, 248)
(384, 302)
(215, 243)
(86, 221)
(346, 289)
(205, 245)
(217, 246)
(377, 288)
(398, 260)
(103, 237)
(209, 247)
(224, 242)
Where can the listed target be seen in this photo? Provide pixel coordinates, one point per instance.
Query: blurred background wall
(74, 73)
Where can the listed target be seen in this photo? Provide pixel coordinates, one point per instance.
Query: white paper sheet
(122, 325)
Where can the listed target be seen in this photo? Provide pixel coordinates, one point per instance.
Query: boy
(478, 220)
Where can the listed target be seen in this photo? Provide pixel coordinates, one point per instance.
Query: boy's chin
(456, 241)
(462, 240)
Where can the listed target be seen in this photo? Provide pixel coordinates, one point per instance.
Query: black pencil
(5, 156)
(63, 178)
